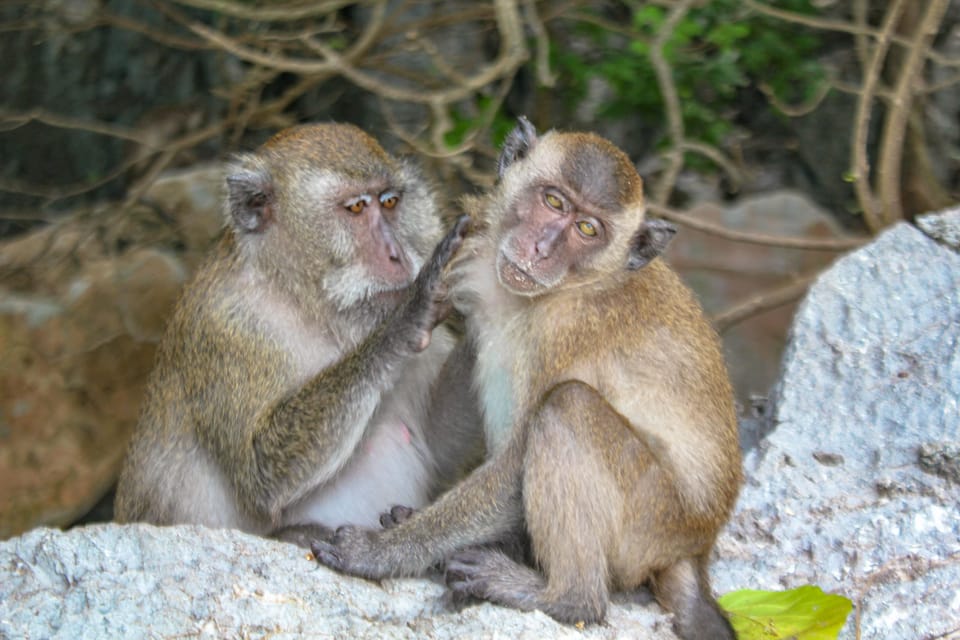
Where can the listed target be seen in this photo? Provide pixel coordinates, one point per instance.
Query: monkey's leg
(485, 507)
(573, 507)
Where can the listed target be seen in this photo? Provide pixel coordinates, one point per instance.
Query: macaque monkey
(608, 411)
(301, 382)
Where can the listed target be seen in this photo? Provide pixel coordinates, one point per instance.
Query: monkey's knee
(571, 395)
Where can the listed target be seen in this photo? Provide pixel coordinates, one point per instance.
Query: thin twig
(860, 169)
(274, 12)
(671, 101)
(786, 242)
(895, 124)
(765, 301)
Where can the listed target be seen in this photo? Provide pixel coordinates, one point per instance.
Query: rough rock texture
(82, 306)
(138, 581)
(943, 226)
(856, 487)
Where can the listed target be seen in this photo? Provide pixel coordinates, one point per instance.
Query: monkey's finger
(451, 242)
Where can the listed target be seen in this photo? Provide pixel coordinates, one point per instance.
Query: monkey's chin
(516, 280)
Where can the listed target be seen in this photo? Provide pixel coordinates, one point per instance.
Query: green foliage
(465, 125)
(804, 613)
(717, 49)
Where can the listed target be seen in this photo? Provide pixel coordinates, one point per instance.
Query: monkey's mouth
(514, 278)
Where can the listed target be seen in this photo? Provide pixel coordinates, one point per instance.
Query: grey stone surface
(139, 581)
(853, 488)
(943, 226)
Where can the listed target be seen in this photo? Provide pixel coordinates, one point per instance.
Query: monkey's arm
(454, 430)
(276, 452)
(485, 507)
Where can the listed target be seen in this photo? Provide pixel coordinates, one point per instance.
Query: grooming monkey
(300, 383)
(607, 407)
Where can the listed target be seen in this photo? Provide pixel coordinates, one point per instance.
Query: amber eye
(555, 201)
(356, 207)
(389, 200)
(587, 228)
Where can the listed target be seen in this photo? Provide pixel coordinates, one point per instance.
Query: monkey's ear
(517, 145)
(649, 242)
(250, 200)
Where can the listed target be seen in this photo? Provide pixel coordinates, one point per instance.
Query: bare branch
(671, 102)
(860, 169)
(274, 12)
(10, 120)
(765, 301)
(544, 75)
(857, 28)
(895, 124)
(786, 242)
(726, 165)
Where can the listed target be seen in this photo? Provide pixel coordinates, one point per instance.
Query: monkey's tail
(684, 589)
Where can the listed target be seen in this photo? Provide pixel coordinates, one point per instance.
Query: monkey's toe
(326, 554)
(395, 516)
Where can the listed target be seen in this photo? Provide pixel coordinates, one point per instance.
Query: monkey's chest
(496, 386)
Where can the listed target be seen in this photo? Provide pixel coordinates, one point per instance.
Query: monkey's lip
(514, 278)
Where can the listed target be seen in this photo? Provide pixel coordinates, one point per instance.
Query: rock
(724, 272)
(135, 581)
(854, 488)
(80, 316)
(943, 226)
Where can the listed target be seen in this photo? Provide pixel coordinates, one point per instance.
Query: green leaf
(804, 613)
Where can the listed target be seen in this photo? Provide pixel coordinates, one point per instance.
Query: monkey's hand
(427, 305)
(352, 550)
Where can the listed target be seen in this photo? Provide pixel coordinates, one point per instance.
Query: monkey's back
(169, 475)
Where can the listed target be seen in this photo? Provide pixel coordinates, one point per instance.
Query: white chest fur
(494, 380)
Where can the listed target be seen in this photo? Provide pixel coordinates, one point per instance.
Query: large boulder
(856, 488)
(139, 581)
(82, 306)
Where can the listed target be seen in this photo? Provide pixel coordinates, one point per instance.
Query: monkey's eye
(587, 228)
(356, 205)
(389, 199)
(553, 200)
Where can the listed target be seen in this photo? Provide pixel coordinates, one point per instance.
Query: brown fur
(298, 382)
(608, 410)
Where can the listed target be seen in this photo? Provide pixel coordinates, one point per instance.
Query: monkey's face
(324, 209)
(569, 209)
(377, 233)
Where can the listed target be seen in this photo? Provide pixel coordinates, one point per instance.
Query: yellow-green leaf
(804, 613)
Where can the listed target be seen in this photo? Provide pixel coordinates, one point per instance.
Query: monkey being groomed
(608, 411)
(301, 383)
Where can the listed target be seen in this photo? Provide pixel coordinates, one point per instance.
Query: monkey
(302, 382)
(608, 410)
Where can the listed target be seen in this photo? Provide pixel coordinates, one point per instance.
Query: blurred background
(777, 134)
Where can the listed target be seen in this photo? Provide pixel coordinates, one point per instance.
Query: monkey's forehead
(342, 147)
(595, 168)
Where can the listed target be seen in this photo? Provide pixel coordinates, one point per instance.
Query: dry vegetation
(427, 64)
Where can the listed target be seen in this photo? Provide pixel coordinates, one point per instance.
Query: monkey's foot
(395, 516)
(489, 574)
(351, 550)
